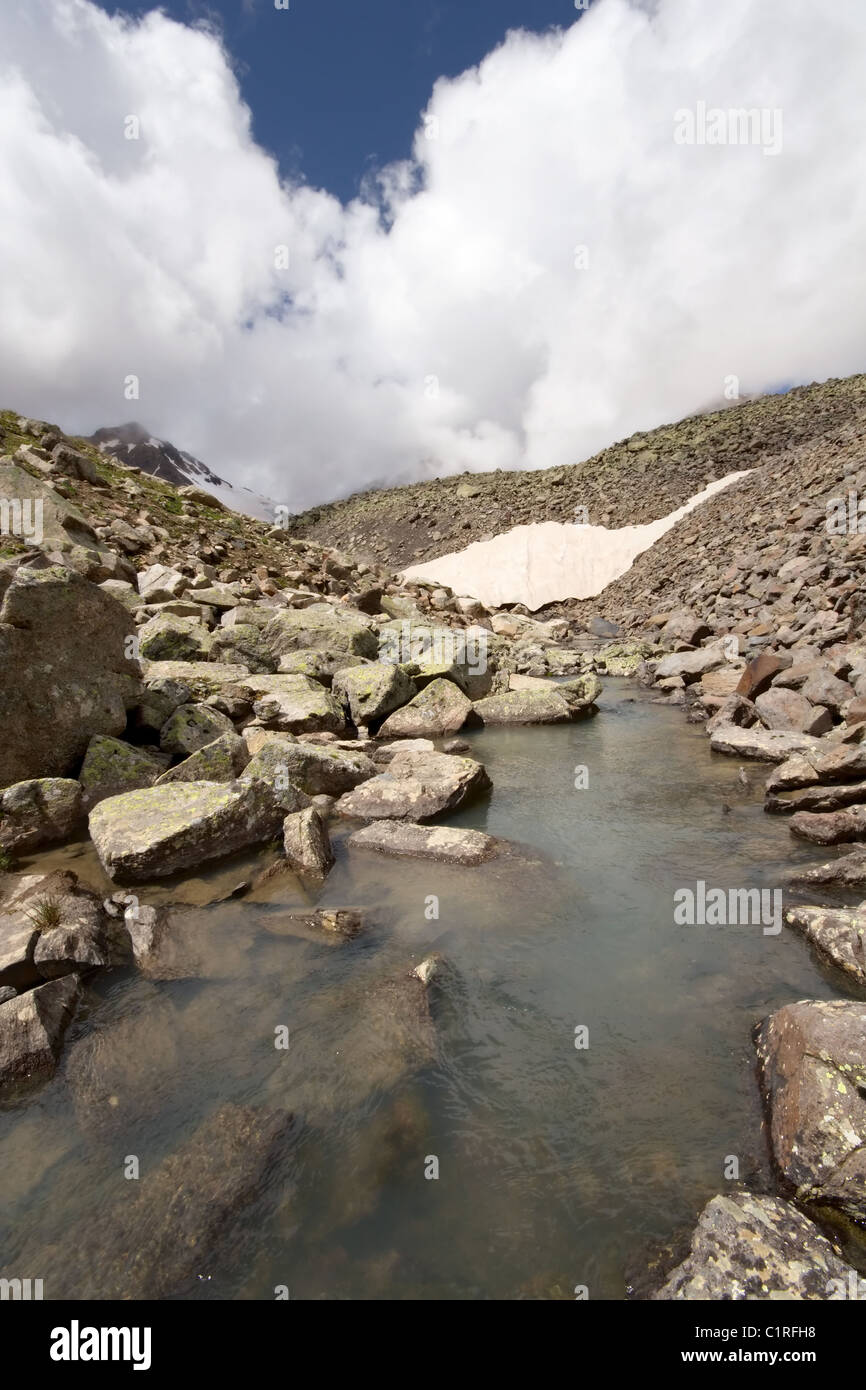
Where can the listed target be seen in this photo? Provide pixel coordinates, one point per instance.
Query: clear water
(557, 1166)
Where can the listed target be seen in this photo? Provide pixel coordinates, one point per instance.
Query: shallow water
(557, 1166)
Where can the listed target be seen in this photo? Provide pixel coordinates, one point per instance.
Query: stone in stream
(839, 935)
(154, 1241)
(848, 871)
(35, 812)
(307, 844)
(752, 1247)
(819, 798)
(440, 708)
(125, 1069)
(64, 671)
(416, 786)
(830, 828)
(844, 763)
(315, 769)
(338, 924)
(373, 691)
(220, 761)
(155, 832)
(770, 745)
(75, 932)
(691, 665)
(812, 1058)
(523, 707)
(111, 767)
(191, 727)
(31, 1033)
(446, 844)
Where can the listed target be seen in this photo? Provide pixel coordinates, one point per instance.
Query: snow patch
(549, 561)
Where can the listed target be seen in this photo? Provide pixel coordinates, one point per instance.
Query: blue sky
(336, 86)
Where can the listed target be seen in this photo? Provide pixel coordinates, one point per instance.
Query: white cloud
(155, 256)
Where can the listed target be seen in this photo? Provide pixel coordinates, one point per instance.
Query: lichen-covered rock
(66, 671)
(111, 767)
(316, 770)
(581, 692)
(148, 834)
(296, 704)
(306, 842)
(161, 583)
(221, 761)
(31, 1033)
(812, 1058)
(623, 658)
(444, 843)
(319, 664)
(167, 637)
(37, 811)
(372, 691)
(201, 678)
(838, 934)
(191, 727)
(322, 626)
(523, 707)
(416, 786)
(85, 937)
(440, 708)
(160, 699)
(747, 1247)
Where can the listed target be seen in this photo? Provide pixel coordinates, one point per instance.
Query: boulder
(35, 812)
(307, 844)
(191, 727)
(64, 671)
(823, 688)
(220, 761)
(444, 843)
(31, 1033)
(787, 709)
(151, 833)
(839, 935)
(111, 767)
(416, 786)
(373, 691)
(316, 770)
(683, 626)
(296, 705)
(830, 828)
(167, 637)
(440, 708)
(160, 699)
(758, 675)
(77, 933)
(691, 665)
(812, 1058)
(833, 797)
(201, 678)
(770, 745)
(581, 692)
(161, 583)
(751, 1247)
(849, 871)
(523, 707)
(323, 626)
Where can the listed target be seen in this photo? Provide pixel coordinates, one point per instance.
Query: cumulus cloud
(549, 270)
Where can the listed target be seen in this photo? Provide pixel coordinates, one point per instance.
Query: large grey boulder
(524, 707)
(167, 637)
(770, 745)
(748, 1247)
(316, 769)
(440, 708)
(446, 844)
(35, 812)
(372, 691)
(416, 786)
(152, 833)
(111, 767)
(691, 665)
(223, 760)
(307, 844)
(296, 705)
(788, 709)
(812, 1058)
(78, 935)
(322, 625)
(65, 672)
(191, 727)
(31, 1033)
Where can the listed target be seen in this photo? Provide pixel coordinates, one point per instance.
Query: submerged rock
(31, 1033)
(751, 1247)
(152, 833)
(446, 844)
(772, 745)
(839, 935)
(812, 1057)
(306, 842)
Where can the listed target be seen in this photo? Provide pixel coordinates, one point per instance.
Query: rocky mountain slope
(133, 444)
(632, 482)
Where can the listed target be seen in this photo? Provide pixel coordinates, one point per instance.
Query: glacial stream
(558, 1165)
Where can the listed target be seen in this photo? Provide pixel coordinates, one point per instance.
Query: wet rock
(111, 767)
(581, 692)
(849, 871)
(830, 828)
(75, 933)
(523, 707)
(751, 1247)
(416, 786)
(192, 727)
(64, 671)
(221, 761)
(838, 935)
(770, 745)
(339, 924)
(372, 692)
(812, 1057)
(125, 1069)
(817, 798)
(155, 832)
(787, 709)
(440, 708)
(31, 1033)
(307, 844)
(445, 844)
(35, 812)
